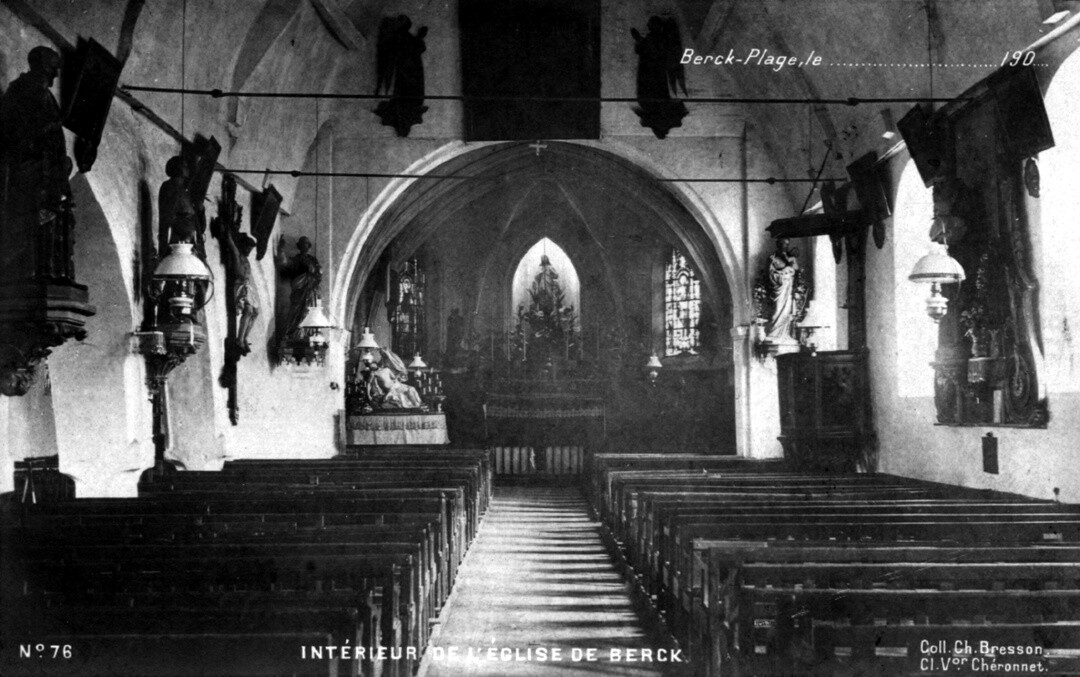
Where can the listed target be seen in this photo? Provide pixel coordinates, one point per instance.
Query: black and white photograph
(568, 338)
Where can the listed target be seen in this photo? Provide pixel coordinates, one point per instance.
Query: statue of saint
(660, 74)
(304, 273)
(385, 383)
(400, 72)
(782, 272)
(36, 233)
(546, 292)
(178, 220)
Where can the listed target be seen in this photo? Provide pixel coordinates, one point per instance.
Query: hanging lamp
(653, 367)
(936, 268)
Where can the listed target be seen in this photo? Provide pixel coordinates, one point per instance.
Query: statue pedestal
(413, 428)
(774, 347)
(35, 317)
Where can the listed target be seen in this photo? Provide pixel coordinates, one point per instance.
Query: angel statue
(660, 75)
(384, 382)
(399, 70)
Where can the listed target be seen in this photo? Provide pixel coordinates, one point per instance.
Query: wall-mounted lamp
(180, 278)
(180, 286)
(653, 367)
(937, 268)
(312, 348)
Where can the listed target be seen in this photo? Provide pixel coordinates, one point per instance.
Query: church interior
(573, 337)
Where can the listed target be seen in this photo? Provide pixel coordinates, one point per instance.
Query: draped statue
(384, 383)
(780, 294)
(783, 267)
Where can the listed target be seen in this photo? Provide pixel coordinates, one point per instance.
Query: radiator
(568, 460)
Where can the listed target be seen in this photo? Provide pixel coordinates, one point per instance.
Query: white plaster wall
(1033, 462)
(27, 428)
(96, 405)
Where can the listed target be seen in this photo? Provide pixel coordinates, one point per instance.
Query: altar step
(515, 461)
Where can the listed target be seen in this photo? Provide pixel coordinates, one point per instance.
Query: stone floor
(538, 580)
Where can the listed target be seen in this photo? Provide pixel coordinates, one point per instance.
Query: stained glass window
(682, 306)
(408, 316)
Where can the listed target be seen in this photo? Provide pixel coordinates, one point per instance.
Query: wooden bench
(692, 540)
(374, 542)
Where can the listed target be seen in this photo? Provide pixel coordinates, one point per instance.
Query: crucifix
(538, 147)
(241, 305)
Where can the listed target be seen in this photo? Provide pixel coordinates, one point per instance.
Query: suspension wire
(848, 101)
(295, 173)
(930, 47)
(183, 63)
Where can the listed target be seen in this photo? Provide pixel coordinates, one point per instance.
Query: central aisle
(538, 577)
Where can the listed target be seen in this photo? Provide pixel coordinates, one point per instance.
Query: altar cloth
(396, 428)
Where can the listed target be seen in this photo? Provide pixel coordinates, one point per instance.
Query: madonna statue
(780, 295)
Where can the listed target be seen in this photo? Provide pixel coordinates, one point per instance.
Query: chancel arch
(614, 222)
(674, 208)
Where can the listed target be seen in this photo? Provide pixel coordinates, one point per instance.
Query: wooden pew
(463, 482)
(248, 527)
(686, 536)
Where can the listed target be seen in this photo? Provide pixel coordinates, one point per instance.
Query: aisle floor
(539, 578)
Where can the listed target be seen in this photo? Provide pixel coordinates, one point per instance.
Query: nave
(539, 577)
(380, 563)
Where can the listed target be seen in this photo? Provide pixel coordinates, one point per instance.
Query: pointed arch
(529, 265)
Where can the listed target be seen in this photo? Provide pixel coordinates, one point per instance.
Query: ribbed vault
(511, 171)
